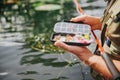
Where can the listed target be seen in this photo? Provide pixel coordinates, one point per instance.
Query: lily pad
(32, 1)
(48, 7)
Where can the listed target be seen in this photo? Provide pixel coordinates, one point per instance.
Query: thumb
(62, 45)
(79, 19)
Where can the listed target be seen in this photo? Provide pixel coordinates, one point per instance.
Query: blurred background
(26, 52)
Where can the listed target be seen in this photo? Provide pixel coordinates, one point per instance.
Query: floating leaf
(41, 42)
(48, 7)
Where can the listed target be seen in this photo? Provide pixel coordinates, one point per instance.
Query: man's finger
(78, 19)
(62, 45)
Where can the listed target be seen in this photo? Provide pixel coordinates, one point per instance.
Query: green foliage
(41, 42)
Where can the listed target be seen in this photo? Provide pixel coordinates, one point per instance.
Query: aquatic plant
(41, 42)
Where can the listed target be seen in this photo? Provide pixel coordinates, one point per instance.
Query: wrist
(93, 60)
(88, 58)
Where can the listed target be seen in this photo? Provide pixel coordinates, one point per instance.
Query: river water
(19, 22)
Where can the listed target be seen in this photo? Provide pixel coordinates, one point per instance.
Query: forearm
(98, 64)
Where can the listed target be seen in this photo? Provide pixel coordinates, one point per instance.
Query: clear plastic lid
(65, 27)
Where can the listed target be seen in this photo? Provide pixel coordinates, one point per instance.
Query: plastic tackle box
(71, 33)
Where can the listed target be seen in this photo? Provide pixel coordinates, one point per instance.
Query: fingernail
(56, 43)
(71, 19)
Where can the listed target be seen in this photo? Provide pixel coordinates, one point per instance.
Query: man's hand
(82, 52)
(94, 22)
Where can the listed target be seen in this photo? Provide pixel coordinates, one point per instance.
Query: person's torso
(111, 29)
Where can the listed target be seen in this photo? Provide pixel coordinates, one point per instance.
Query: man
(110, 26)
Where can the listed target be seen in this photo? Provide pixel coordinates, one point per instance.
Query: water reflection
(60, 78)
(36, 59)
(28, 73)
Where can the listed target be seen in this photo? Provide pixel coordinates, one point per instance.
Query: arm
(85, 55)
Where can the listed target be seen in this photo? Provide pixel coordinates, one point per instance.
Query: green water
(26, 52)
